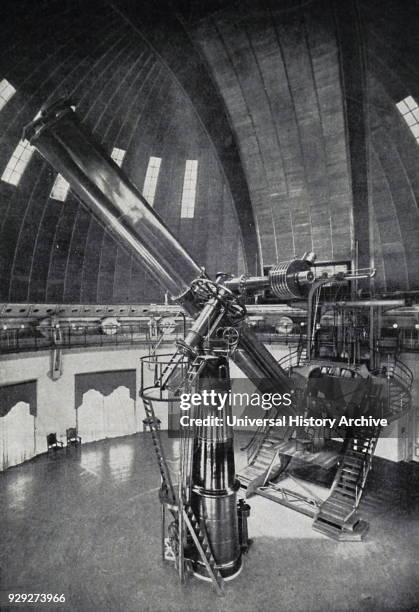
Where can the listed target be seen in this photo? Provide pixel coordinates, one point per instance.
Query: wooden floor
(87, 524)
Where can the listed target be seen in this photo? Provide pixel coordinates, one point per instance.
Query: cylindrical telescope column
(214, 484)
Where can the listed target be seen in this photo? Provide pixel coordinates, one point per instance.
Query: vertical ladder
(167, 491)
(169, 369)
(194, 370)
(184, 513)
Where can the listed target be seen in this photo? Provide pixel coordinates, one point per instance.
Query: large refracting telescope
(215, 304)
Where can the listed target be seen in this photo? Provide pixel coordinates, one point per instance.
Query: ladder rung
(204, 549)
(349, 470)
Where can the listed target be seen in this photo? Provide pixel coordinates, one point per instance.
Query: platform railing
(17, 340)
(295, 357)
(292, 360)
(403, 373)
(399, 379)
(28, 337)
(397, 370)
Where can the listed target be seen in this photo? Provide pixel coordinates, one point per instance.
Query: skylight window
(151, 178)
(6, 92)
(17, 163)
(118, 156)
(59, 189)
(189, 189)
(409, 110)
(21, 157)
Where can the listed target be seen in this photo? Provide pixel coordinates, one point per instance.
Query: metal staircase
(174, 547)
(265, 461)
(397, 380)
(261, 449)
(337, 516)
(200, 538)
(295, 358)
(262, 455)
(388, 395)
(262, 446)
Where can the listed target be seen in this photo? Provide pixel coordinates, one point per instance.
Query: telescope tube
(114, 200)
(105, 189)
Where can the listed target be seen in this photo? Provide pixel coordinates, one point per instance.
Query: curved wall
(289, 108)
(390, 30)
(55, 251)
(100, 416)
(278, 71)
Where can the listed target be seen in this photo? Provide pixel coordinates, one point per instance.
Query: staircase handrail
(398, 370)
(404, 373)
(402, 376)
(366, 466)
(256, 441)
(287, 361)
(292, 360)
